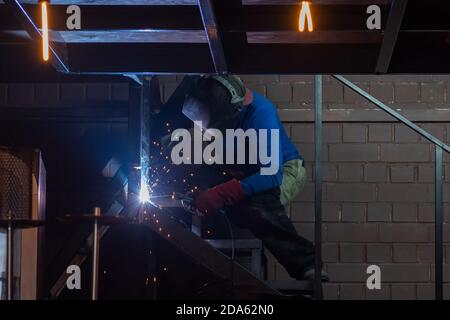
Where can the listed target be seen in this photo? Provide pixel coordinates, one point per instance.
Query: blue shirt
(261, 114)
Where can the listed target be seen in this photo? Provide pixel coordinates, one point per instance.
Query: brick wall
(378, 179)
(68, 94)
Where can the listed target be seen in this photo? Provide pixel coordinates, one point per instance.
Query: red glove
(225, 194)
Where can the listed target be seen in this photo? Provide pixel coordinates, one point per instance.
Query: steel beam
(144, 139)
(318, 187)
(439, 222)
(213, 34)
(391, 32)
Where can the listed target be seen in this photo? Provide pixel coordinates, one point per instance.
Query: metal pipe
(318, 187)
(392, 112)
(9, 262)
(95, 255)
(438, 242)
(212, 32)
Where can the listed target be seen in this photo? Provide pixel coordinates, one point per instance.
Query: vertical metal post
(438, 242)
(9, 262)
(95, 255)
(318, 187)
(144, 139)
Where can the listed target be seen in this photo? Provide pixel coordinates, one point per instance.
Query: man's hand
(225, 194)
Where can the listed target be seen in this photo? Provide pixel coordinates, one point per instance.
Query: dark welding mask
(216, 101)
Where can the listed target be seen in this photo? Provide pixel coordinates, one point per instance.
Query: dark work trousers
(266, 217)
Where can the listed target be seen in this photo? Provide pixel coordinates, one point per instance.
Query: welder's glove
(225, 194)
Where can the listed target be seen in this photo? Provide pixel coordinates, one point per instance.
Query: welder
(256, 200)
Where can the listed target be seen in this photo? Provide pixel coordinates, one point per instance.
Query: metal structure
(95, 255)
(318, 187)
(393, 24)
(22, 206)
(242, 37)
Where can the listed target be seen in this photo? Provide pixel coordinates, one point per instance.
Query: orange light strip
(305, 15)
(45, 54)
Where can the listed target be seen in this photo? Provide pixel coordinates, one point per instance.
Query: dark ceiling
(244, 37)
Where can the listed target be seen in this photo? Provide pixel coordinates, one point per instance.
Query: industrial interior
(92, 91)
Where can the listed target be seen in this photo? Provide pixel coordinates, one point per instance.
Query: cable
(187, 205)
(230, 229)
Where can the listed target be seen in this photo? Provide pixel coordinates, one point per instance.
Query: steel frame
(391, 32)
(318, 87)
(341, 42)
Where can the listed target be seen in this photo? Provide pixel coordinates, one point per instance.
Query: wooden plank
(134, 36)
(318, 37)
(111, 36)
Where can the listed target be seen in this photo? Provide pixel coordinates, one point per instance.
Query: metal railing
(439, 147)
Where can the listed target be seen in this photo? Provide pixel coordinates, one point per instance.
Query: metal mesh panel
(15, 183)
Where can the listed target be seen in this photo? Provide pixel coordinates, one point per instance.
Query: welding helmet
(216, 101)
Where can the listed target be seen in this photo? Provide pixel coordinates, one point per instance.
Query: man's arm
(259, 181)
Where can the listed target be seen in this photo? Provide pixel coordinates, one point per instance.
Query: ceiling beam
(117, 2)
(140, 58)
(213, 35)
(194, 2)
(186, 17)
(393, 25)
(133, 36)
(199, 36)
(317, 37)
(255, 18)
